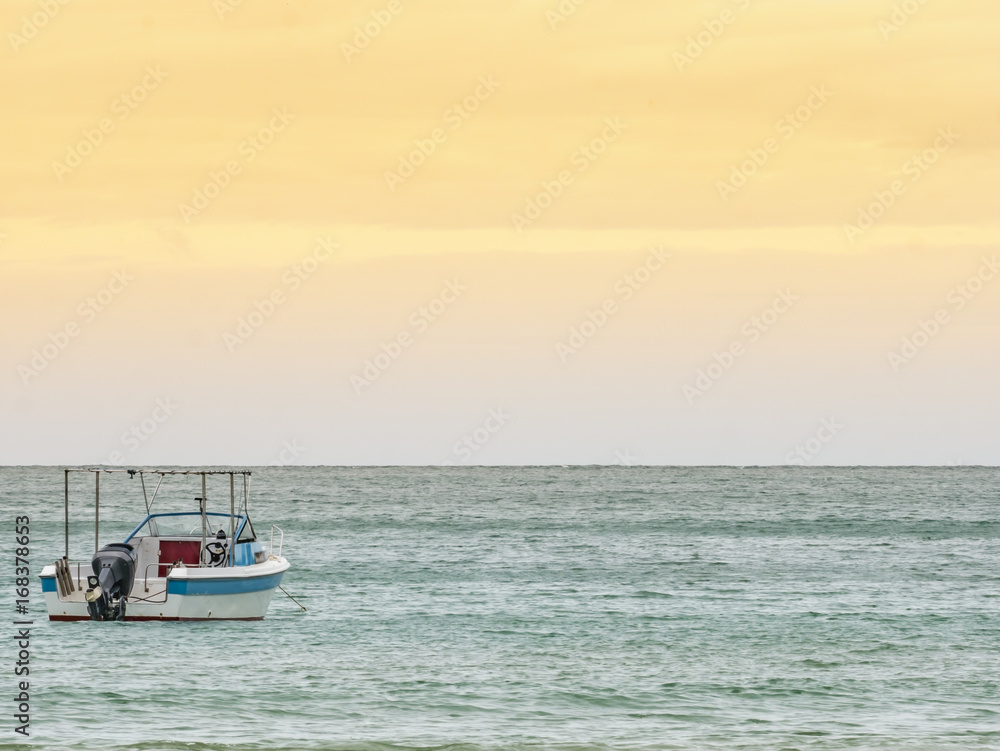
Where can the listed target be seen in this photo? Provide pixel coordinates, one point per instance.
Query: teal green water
(552, 608)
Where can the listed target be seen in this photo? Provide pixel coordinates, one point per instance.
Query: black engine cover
(114, 566)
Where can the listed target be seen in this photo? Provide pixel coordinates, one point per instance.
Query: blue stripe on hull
(222, 586)
(48, 583)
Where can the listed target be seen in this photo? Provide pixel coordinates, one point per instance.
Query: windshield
(247, 533)
(186, 525)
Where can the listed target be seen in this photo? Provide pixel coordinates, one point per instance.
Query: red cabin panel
(185, 550)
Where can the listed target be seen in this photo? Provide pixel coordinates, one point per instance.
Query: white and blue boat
(194, 565)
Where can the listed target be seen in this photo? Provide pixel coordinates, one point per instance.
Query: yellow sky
(765, 130)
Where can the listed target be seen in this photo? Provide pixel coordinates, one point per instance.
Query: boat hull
(238, 593)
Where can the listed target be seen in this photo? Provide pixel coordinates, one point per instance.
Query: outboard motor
(114, 572)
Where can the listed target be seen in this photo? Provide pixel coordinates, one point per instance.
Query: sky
(522, 232)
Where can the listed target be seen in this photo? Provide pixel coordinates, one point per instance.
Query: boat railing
(145, 582)
(281, 540)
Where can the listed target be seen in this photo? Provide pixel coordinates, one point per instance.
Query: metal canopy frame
(203, 501)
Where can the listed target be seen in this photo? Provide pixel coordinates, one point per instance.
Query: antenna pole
(97, 510)
(204, 518)
(232, 519)
(145, 498)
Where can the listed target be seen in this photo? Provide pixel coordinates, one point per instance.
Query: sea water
(543, 608)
